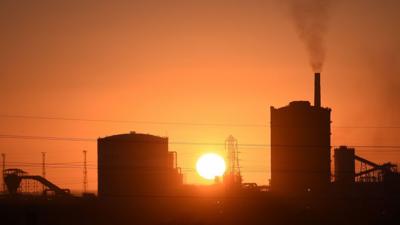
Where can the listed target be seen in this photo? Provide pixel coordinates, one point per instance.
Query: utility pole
(85, 178)
(43, 167)
(3, 156)
(44, 164)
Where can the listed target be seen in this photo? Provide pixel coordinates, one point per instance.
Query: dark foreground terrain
(253, 208)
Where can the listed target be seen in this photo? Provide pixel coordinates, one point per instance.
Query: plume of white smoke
(310, 18)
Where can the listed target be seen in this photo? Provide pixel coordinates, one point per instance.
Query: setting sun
(210, 165)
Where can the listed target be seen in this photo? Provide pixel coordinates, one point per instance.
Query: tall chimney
(317, 90)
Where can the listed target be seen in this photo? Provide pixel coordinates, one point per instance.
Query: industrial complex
(140, 182)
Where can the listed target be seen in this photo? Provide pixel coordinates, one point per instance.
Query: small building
(344, 158)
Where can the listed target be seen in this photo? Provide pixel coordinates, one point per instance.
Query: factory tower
(300, 146)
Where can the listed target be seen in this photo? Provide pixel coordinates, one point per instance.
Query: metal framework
(233, 175)
(19, 181)
(372, 172)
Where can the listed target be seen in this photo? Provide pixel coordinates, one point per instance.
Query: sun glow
(210, 165)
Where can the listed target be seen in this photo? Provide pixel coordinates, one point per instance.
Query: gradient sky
(192, 62)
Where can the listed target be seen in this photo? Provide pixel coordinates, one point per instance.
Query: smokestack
(317, 90)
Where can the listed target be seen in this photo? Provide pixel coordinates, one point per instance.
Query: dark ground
(247, 208)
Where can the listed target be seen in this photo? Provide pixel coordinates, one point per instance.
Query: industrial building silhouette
(300, 146)
(301, 155)
(344, 165)
(136, 164)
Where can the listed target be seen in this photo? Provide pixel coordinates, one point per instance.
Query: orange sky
(188, 61)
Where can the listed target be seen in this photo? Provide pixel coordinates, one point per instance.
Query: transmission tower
(3, 156)
(85, 178)
(233, 176)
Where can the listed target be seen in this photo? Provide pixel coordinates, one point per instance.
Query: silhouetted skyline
(188, 63)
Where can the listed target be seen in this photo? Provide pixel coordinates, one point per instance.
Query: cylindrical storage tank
(344, 165)
(132, 164)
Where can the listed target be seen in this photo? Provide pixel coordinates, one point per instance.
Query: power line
(186, 170)
(78, 139)
(57, 163)
(131, 121)
(48, 138)
(149, 169)
(12, 116)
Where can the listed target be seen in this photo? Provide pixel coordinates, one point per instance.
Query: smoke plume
(310, 18)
